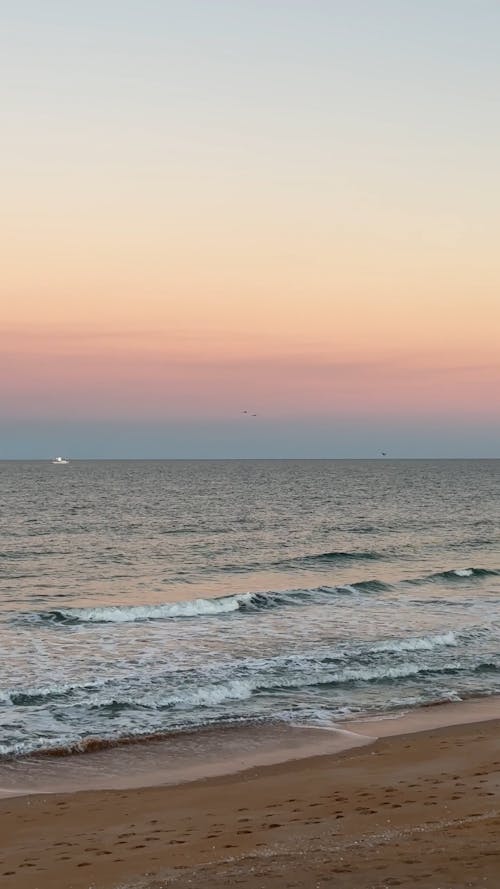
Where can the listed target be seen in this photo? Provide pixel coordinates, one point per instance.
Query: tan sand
(415, 810)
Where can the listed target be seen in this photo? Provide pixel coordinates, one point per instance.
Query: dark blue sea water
(144, 597)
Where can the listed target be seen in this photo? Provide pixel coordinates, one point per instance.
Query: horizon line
(380, 459)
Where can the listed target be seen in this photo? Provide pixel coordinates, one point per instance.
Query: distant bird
(244, 412)
(383, 454)
(254, 415)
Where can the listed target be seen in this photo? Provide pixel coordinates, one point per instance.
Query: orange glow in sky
(273, 205)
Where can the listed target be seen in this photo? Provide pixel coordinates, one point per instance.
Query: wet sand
(415, 810)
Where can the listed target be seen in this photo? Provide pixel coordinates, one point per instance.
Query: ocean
(145, 598)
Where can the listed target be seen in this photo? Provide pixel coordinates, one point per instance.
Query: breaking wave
(213, 694)
(419, 643)
(154, 703)
(460, 574)
(344, 663)
(243, 602)
(128, 614)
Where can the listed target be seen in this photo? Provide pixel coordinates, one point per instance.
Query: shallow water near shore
(187, 756)
(148, 598)
(214, 752)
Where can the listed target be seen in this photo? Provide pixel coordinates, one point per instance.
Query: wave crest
(460, 573)
(243, 602)
(336, 556)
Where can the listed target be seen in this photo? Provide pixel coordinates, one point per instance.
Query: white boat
(60, 461)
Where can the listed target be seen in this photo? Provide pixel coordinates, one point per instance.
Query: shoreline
(184, 757)
(413, 809)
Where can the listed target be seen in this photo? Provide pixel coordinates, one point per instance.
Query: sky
(288, 208)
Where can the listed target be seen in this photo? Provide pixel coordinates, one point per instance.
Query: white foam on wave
(24, 748)
(418, 643)
(463, 572)
(253, 675)
(168, 610)
(211, 695)
(124, 614)
(252, 601)
(337, 677)
(367, 674)
(203, 696)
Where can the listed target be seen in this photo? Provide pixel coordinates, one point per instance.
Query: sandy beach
(418, 809)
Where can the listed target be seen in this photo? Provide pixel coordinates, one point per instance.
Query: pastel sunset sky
(285, 207)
